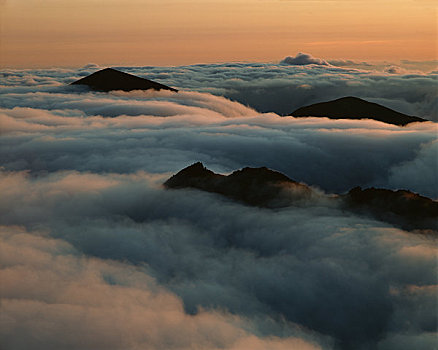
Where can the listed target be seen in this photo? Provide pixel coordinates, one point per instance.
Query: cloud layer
(164, 133)
(302, 59)
(92, 244)
(279, 88)
(279, 270)
(57, 298)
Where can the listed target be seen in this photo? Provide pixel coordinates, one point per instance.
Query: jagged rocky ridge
(109, 79)
(254, 186)
(263, 187)
(355, 108)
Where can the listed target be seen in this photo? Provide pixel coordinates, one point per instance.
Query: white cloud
(302, 59)
(395, 70)
(168, 133)
(267, 87)
(93, 245)
(52, 297)
(261, 265)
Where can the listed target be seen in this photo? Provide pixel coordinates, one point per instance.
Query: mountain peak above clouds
(268, 188)
(194, 175)
(261, 187)
(355, 108)
(110, 79)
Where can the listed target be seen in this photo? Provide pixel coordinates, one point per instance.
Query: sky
(37, 33)
(95, 253)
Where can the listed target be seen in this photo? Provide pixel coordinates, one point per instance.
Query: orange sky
(173, 32)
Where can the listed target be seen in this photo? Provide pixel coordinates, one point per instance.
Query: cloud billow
(167, 134)
(302, 59)
(266, 87)
(309, 266)
(92, 243)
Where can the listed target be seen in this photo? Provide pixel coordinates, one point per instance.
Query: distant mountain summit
(355, 108)
(109, 79)
(267, 188)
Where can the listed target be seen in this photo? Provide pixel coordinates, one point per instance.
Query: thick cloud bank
(164, 132)
(302, 59)
(282, 88)
(279, 88)
(350, 282)
(97, 254)
(58, 299)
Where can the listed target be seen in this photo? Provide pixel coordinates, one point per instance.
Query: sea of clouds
(95, 253)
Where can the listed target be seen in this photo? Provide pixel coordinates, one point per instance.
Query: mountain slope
(263, 187)
(401, 208)
(355, 108)
(109, 79)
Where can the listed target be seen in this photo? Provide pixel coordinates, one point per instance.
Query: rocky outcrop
(264, 187)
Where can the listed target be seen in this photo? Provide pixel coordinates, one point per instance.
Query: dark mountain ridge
(355, 108)
(263, 187)
(401, 208)
(110, 79)
(254, 186)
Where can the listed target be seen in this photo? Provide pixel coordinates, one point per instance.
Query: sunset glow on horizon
(170, 32)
